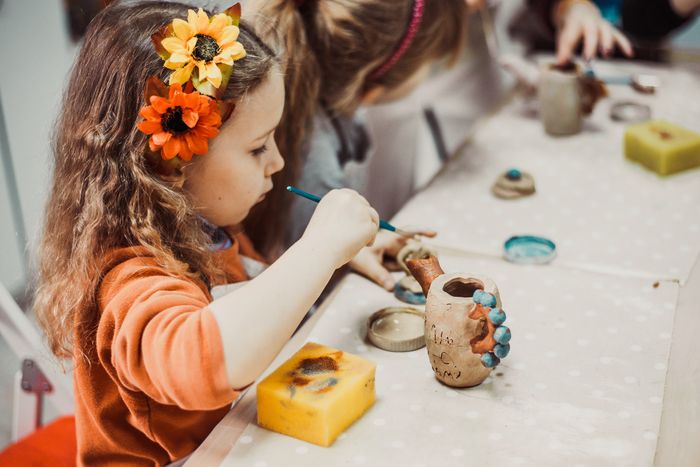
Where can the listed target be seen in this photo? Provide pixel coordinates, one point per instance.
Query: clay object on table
(408, 290)
(413, 249)
(464, 332)
(566, 95)
(513, 184)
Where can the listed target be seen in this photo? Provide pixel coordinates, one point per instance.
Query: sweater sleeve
(161, 339)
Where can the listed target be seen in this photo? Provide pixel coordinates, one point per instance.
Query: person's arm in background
(578, 21)
(653, 20)
(685, 7)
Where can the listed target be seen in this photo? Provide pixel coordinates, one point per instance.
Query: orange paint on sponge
(316, 394)
(662, 146)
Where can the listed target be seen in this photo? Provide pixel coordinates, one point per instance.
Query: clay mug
(464, 335)
(566, 95)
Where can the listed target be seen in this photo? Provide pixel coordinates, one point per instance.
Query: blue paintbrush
(382, 223)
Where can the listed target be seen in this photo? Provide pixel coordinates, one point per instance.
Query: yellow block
(662, 146)
(316, 394)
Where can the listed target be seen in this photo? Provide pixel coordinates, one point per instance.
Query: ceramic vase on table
(463, 332)
(566, 96)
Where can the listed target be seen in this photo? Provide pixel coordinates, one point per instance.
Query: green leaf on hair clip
(205, 87)
(234, 12)
(226, 71)
(209, 89)
(157, 40)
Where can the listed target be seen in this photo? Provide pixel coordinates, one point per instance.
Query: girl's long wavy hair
(331, 49)
(104, 193)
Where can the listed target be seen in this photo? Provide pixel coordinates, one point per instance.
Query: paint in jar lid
(529, 249)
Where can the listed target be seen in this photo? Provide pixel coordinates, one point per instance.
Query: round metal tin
(397, 329)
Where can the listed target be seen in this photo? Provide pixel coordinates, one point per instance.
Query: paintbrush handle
(386, 226)
(304, 194)
(382, 223)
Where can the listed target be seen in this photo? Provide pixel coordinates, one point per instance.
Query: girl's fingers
(393, 248)
(374, 215)
(590, 39)
(622, 41)
(428, 233)
(606, 39)
(568, 39)
(373, 270)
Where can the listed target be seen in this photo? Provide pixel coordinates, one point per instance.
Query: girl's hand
(370, 260)
(342, 224)
(581, 20)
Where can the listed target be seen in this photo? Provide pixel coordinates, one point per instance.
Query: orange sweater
(156, 384)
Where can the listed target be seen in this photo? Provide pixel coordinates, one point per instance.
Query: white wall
(36, 54)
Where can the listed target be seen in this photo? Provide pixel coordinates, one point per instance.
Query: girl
(341, 54)
(143, 192)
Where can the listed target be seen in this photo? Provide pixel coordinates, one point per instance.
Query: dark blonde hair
(104, 193)
(331, 49)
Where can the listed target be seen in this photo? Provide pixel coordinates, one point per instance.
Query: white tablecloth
(583, 384)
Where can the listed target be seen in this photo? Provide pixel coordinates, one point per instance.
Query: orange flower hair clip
(200, 51)
(180, 122)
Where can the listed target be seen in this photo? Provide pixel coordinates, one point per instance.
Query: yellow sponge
(663, 147)
(316, 394)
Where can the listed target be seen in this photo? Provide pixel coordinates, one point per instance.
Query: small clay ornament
(513, 184)
(408, 290)
(414, 249)
(464, 332)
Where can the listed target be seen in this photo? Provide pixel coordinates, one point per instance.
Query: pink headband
(418, 6)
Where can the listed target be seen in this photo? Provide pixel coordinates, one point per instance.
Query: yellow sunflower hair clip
(200, 51)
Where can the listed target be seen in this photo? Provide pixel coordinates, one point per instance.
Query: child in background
(339, 56)
(142, 220)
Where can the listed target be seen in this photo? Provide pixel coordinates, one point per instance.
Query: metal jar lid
(630, 112)
(397, 329)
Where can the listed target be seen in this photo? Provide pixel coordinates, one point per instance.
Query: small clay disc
(513, 184)
(505, 193)
(408, 290)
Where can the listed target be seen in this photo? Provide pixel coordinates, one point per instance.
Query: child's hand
(580, 20)
(369, 261)
(342, 224)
